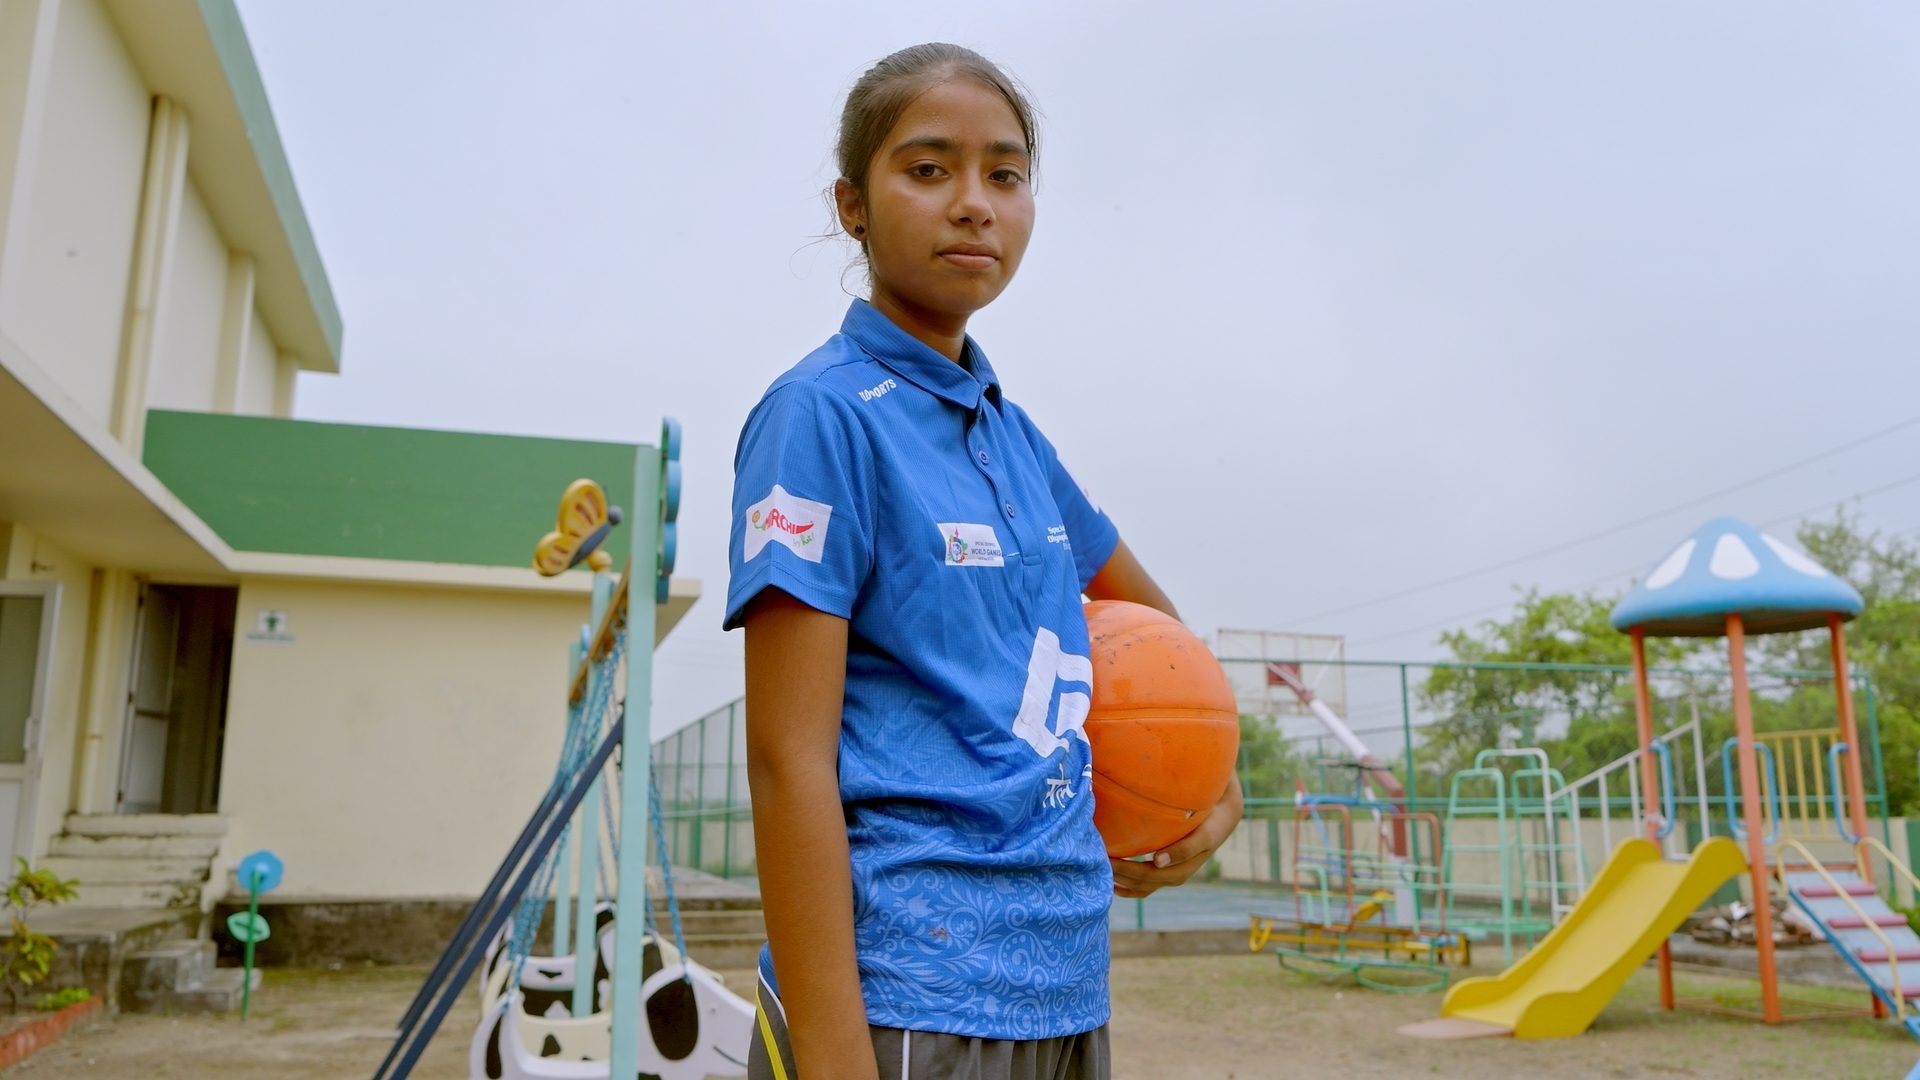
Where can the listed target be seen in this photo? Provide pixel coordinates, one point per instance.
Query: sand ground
(1233, 1016)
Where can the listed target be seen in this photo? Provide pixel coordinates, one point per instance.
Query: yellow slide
(1562, 984)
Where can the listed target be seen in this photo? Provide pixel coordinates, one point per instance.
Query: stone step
(217, 994)
(147, 824)
(722, 923)
(155, 847)
(151, 975)
(727, 950)
(107, 870)
(127, 894)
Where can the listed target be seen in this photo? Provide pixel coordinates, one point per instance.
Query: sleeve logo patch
(971, 545)
(785, 518)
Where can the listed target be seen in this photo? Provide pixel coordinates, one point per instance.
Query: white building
(220, 627)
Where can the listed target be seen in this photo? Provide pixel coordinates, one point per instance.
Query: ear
(852, 208)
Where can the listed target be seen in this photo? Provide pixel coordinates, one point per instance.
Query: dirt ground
(1200, 1017)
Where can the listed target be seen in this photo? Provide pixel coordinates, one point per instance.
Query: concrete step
(150, 976)
(723, 923)
(154, 847)
(731, 950)
(107, 870)
(217, 994)
(147, 824)
(126, 894)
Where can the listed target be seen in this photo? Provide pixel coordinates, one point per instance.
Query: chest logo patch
(785, 518)
(971, 545)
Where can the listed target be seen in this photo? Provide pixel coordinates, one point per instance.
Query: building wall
(395, 746)
(259, 371)
(186, 356)
(29, 558)
(67, 309)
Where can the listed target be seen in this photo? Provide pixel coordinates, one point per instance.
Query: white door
(150, 704)
(27, 611)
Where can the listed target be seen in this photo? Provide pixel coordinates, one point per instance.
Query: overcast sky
(1326, 301)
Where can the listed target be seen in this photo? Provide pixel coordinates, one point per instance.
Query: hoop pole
(1649, 785)
(635, 754)
(1751, 815)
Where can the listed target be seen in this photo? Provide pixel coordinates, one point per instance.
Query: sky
(1356, 317)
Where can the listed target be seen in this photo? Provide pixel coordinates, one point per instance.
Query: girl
(908, 556)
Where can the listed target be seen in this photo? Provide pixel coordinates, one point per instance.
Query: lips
(970, 256)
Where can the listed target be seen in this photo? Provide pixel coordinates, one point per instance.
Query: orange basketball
(1164, 727)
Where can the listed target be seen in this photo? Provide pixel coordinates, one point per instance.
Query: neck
(943, 333)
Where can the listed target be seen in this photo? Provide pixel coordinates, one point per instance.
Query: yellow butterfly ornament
(584, 521)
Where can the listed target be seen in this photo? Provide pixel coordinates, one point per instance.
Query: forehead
(963, 109)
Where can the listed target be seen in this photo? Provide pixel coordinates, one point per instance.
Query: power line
(1615, 530)
(1591, 582)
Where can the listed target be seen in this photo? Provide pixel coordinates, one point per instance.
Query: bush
(54, 1002)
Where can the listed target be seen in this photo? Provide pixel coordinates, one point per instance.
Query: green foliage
(1884, 641)
(1480, 708)
(1268, 764)
(27, 956)
(60, 999)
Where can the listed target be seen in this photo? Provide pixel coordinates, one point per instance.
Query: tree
(1480, 707)
(1477, 709)
(1884, 642)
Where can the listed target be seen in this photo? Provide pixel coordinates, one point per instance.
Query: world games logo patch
(785, 518)
(968, 544)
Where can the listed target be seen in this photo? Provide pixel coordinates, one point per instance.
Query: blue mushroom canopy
(1728, 567)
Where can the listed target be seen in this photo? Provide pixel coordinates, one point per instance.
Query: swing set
(609, 997)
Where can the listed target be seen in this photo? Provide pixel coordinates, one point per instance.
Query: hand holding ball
(1164, 728)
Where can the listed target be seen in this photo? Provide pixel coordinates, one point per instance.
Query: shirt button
(985, 458)
(1010, 512)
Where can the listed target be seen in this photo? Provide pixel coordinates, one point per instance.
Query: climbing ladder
(1870, 936)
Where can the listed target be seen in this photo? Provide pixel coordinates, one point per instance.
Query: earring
(859, 230)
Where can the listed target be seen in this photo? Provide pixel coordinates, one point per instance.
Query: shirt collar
(911, 358)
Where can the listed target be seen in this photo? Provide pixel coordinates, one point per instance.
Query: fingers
(1212, 831)
(1144, 878)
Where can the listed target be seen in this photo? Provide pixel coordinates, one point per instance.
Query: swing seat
(695, 1027)
(499, 1050)
(548, 981)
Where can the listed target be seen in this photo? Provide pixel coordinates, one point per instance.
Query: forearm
(800, 837)
(796, 687)
(1123, 578)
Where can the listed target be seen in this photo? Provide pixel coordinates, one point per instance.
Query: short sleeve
(1092, 532)
(802, 504)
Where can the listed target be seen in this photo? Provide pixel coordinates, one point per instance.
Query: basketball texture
(1164, 727)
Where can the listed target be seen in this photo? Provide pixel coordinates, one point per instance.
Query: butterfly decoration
(585, 520)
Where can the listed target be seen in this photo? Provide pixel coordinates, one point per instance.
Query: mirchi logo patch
(800, 525)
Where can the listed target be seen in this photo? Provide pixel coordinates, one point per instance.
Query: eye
(1007, 176)
(925, 170)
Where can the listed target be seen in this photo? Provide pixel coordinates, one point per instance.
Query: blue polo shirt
(882, 482)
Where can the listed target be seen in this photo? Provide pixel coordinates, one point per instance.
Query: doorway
(177, 700)
(27, 612)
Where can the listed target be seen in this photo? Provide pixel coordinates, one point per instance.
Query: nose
(970, 204)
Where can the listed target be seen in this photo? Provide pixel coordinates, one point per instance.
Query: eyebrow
(942, 144)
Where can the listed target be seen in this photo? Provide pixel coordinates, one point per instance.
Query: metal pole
(1649, 784)
(1406, 738)
(1879, 763)
(1849, 733)
(726, 821)
(586, 931)
(1750, 813)
(635, 754)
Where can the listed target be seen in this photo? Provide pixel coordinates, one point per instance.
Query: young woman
(908, 556)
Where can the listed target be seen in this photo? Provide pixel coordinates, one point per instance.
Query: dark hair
(876, 101)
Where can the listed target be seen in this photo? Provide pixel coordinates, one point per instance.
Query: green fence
(1424, 720)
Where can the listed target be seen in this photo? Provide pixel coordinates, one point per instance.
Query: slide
(1557, 989)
